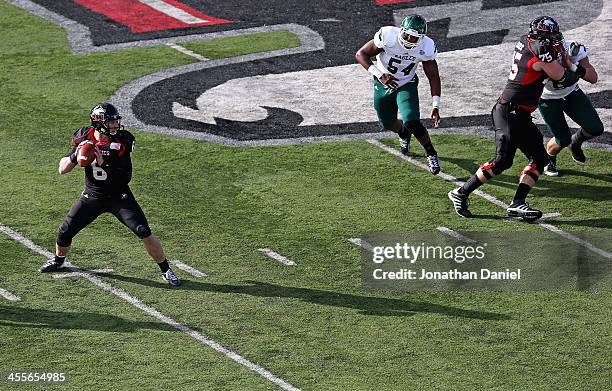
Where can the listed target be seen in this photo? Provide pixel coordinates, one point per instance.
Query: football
(85, 154)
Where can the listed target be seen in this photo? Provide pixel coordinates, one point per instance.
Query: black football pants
(87, 208)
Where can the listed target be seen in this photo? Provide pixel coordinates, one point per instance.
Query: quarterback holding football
(107, 175)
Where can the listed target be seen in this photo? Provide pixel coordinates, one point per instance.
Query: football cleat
(577, 154)
(171, 278)
(460, 202)
(522, 209)
(404, 146)
(434, 164)
(551, 168)
(51, 266)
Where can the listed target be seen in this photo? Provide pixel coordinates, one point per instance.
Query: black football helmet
(101, 114)
(545, 28)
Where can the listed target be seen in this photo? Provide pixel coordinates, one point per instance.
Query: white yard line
(456, 235)
(173, 12)
(569, 236)
(188, 52)
(16, 236)
(75, 271)
(156, 314)
(276, 256)
(186, 268)
(8, 295)
(492, 199)
(361, 243)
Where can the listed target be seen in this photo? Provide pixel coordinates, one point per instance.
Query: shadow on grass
(604, 222)
(546, 187)
(38, 318)
(585, 174)
(367, 305)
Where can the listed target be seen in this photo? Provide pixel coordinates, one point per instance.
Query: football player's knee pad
(64, 235)
(416, 128)
(486, 171)
(143, 231)
(531, 173)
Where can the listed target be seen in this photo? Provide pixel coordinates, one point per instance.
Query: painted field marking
(188, 52)
(276, 256)
(456, 235)
(545, 216)
(8, 295)
(186, 268)
(76, 272)
(173, 12)
(361, 243)
(492, 199)
(156, 314)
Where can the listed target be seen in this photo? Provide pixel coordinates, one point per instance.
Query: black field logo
(315, 91)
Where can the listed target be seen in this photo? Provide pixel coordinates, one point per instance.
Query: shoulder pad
(430, 48)
(385, 37)
(128, 139)
(80, 135)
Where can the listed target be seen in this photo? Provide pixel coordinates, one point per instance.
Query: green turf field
(212, 206)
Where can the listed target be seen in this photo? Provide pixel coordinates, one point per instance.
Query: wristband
(580, 71)
(435, 101)
(574, 68)
(375, 71)
(73, 158)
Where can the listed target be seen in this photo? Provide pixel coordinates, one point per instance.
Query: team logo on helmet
(545, 27)
(100, 116)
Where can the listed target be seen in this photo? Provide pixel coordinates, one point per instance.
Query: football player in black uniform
(538, 57)
(106, 188)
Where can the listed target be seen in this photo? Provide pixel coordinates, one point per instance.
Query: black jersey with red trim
(115, 173)
(525, 84)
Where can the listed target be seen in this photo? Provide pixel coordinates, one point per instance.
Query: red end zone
(150, 15)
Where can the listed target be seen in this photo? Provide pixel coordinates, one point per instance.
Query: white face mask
(406, 38)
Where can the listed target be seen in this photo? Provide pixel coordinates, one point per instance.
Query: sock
(429, 149)
(59, 259)
(472, 184)
(553, 159)
(164, 266)
(521, 193)
(578, 138)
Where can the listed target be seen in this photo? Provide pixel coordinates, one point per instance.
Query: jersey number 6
(98, 172)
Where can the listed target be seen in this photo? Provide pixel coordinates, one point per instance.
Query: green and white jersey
(552, 90)
(396, 59)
